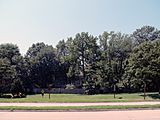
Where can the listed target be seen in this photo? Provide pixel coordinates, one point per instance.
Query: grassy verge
(76, 98)
(79, 108)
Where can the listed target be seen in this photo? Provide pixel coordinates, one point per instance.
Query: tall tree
(72, 61)
(105, 63)
(81, 42)
(144, 64)
(115, 48)
(120, 47)
(11, 62)
(42, 64)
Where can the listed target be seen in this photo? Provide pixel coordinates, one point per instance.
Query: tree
(80, 41)
(105, 62)
(154, 64)
(86, 48)
(115, 49)
(144, 64)
(80, 52)
(9, 51)
(43, 64)
(7, 75)
(146, 33)
(62, 51)
(93, 81)
(12, 54)
(92, 68)
(64, 57)
(11, 65)
(73, 71)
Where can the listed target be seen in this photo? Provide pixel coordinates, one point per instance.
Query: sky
(24, 22)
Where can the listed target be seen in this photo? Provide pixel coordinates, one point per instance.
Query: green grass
(73, 98)
(79, 108)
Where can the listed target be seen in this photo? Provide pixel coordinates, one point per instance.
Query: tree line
(98, 64)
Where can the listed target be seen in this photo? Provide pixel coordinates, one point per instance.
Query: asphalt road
(79, 104)
(105, 115)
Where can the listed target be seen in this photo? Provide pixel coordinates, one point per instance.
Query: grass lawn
(73, 98)
(79, 108)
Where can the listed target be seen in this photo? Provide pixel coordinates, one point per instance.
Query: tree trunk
(83, 66)
(114, 90)
(158, 85)
(49, 94)
(144, 90)
(159, 88)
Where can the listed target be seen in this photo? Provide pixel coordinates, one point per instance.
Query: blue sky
(24, 22)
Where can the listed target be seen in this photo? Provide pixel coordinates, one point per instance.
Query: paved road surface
(78, 104)
(106, 115)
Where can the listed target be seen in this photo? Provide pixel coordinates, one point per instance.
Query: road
(105, 115)
(79, 104)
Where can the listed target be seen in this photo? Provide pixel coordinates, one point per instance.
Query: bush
(17, 89)
(89, 88)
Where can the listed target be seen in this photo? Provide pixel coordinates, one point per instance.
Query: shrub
(17, 89)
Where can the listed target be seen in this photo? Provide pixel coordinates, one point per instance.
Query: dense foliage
(98, 64)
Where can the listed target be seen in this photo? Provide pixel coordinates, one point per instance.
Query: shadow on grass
(152, 95)
(6, 96)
